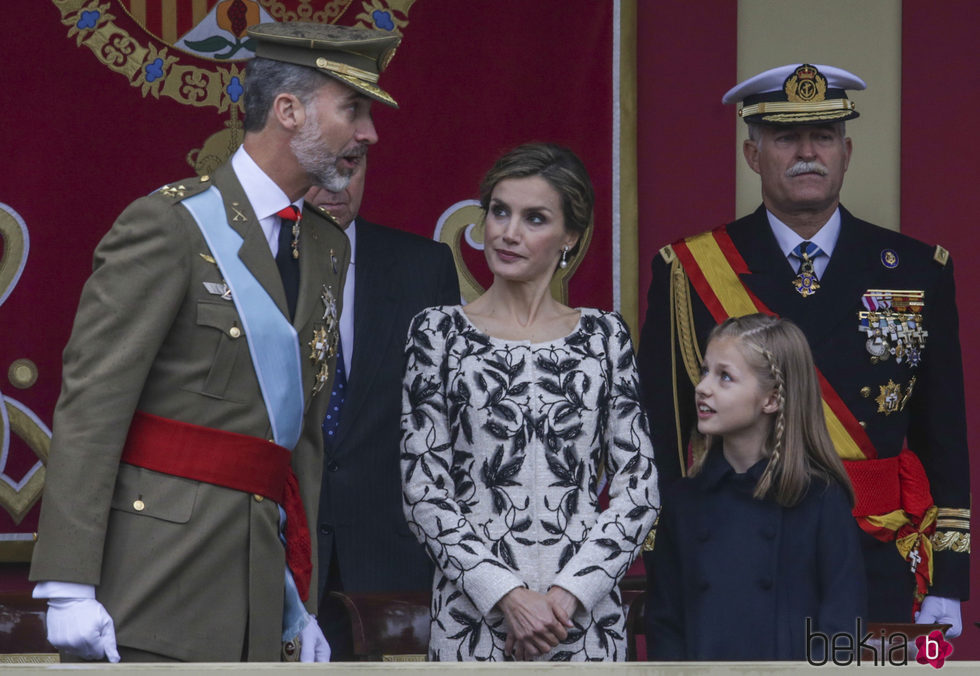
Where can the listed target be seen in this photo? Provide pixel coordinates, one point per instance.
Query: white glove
(82, 627)
(941, 610)
(313, 644)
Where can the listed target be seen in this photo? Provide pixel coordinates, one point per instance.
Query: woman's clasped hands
(536, 622)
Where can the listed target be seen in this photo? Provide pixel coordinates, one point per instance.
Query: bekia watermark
(867, 648)
(933, 649)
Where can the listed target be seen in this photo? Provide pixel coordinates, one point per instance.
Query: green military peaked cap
(354, 56)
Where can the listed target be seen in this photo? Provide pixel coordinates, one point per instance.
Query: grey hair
(265, 79)
(755, 130)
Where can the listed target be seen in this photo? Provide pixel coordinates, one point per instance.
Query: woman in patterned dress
(513, 408)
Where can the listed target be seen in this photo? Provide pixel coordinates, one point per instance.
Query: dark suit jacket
(196, 570)
(933, 420)
(397, 274)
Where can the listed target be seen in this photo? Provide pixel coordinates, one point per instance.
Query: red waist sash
(231, 460)
(893, 503)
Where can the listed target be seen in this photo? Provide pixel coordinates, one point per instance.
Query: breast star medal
(318, 355)
(889, 398)
(323, 345)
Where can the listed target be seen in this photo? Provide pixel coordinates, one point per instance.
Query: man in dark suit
(364, 542)
(879, 312)
(187, 438)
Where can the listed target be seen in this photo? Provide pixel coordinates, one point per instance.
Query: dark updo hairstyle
(563, 171)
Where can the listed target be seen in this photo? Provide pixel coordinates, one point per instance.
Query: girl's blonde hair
(798, 444)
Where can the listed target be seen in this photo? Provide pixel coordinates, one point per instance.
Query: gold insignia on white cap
(796, 94)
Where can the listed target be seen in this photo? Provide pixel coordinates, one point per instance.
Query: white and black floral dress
(504, 443)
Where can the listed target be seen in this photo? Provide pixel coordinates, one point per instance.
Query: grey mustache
(806, 168)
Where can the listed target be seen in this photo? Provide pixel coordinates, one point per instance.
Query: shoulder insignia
(668, 254)
(941, 255)
(174, 190)
(185, 188)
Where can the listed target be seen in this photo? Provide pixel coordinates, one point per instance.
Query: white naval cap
(796, 94)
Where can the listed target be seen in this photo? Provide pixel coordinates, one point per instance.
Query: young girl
(756, 551)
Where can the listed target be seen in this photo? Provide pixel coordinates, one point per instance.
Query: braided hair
(798, 444)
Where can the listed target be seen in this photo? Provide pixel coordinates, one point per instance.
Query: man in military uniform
(187, 450)
(879, 312)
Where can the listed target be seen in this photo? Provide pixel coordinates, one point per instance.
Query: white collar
(825, 237)
(351, 232)
(263, 194)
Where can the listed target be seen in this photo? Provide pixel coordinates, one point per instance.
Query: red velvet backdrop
(940, 147)
(685, 174)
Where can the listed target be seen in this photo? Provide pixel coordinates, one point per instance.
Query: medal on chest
(892, 322)
(323, 344)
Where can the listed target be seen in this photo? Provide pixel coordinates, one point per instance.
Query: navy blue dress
(734, 578)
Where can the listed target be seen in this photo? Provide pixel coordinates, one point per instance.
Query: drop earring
(564, 258)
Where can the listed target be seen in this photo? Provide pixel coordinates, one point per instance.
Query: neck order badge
(806, 280)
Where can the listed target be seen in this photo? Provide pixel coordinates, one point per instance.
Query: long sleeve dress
(504, 444)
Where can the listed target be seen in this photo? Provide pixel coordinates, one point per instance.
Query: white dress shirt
(826, 239)
(267, 198)
(347, 314)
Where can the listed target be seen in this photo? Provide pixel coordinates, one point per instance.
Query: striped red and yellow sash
(713, 265)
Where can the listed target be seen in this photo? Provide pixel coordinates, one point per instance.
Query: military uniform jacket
(929, 410)
(194, 571)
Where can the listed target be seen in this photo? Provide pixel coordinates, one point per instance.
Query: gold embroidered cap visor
(353, 56)
(796, 94)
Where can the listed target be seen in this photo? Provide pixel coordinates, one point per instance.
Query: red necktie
(286, 259)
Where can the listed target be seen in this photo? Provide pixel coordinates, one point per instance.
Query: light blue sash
(272, 340)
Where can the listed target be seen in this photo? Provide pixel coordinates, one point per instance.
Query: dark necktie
(287, 260)
(337, 395)
(805, 281)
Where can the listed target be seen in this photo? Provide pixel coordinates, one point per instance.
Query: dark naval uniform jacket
(737, 578)
(190, 570)
(918, 405)
(361, 523)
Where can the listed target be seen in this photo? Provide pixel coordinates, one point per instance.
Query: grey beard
(321, 166)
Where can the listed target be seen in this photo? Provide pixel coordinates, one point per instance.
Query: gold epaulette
(668, 253)
(941, 255)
